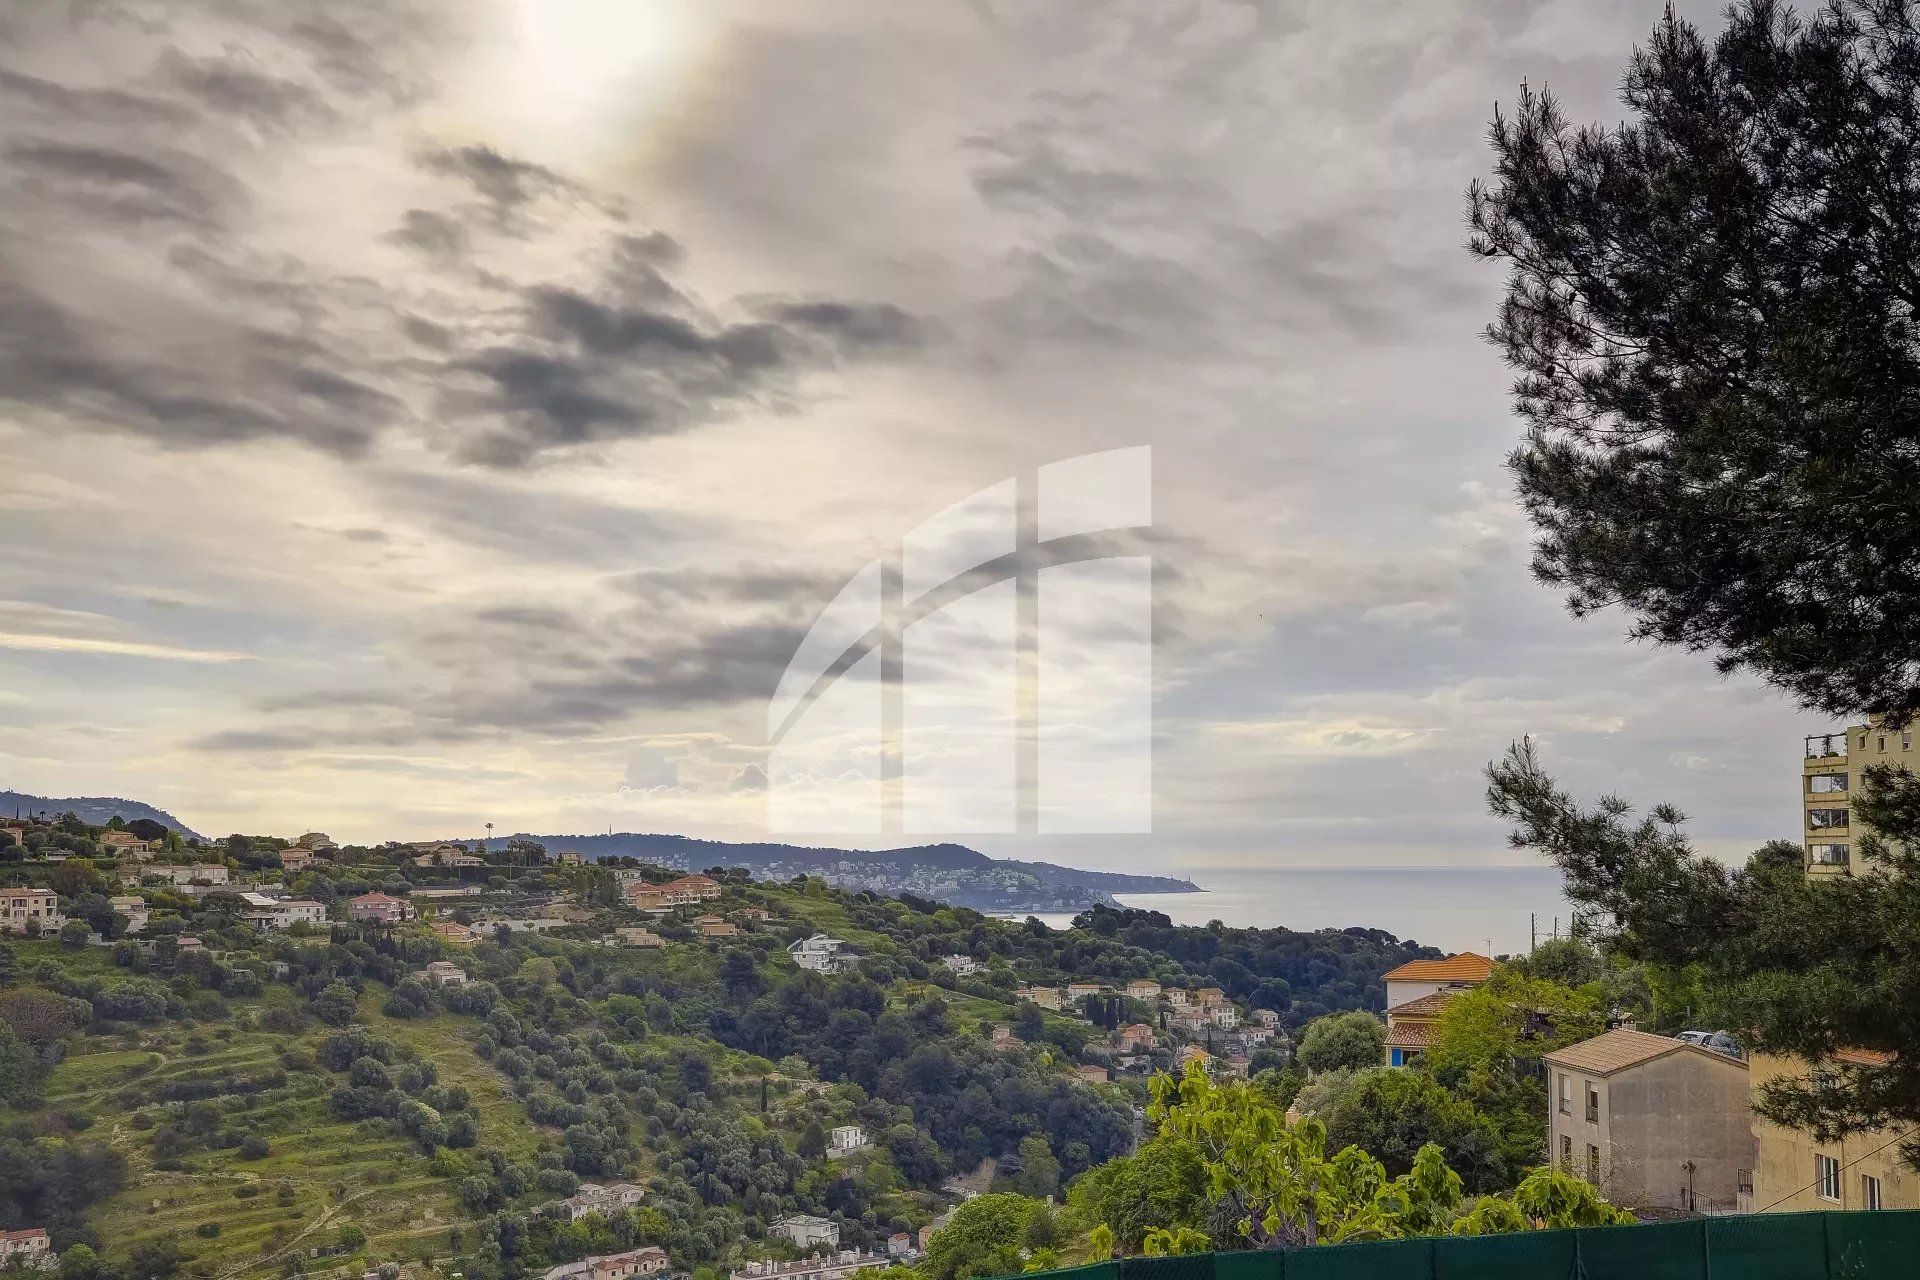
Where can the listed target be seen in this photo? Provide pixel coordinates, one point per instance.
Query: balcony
(1827, 855)
(1824, 746)
(1828, 819)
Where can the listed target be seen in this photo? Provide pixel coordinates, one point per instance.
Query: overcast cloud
(418, 414)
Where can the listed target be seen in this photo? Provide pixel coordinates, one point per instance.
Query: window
(1593, 1163)
(1822, 784)
(1827, 855)
(1593, 1104)
(1869, 1192)
(1906, 739)
(1827, 819)
(1566, 1096)
(1566, 1152)
(1883, 742)
(1826, 1178)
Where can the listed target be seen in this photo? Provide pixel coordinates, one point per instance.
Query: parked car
(1718, 1041)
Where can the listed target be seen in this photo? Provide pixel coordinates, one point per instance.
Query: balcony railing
(1821, 745)
(1827, 855)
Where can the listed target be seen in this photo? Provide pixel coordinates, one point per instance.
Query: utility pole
(1533, 931)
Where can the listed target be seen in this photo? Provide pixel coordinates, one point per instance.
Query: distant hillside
(943, 872)
(95, 810)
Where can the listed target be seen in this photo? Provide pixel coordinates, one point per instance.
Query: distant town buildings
(1655, 1123)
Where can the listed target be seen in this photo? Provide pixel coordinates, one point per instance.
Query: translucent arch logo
(993, 676)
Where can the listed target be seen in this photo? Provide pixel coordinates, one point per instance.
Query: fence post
(1706, 1251)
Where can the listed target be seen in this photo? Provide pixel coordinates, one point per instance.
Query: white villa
(821, 954)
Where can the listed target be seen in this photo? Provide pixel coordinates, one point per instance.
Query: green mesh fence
(1774, 1246)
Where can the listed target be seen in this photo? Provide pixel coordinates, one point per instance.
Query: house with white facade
(808, 1231)
(821, 954)
(201, 873)
(845, 1138)
(604, 1199)
(961, 966)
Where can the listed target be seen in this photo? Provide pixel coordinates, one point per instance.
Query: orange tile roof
(1863, 1057)
(1412, 1035)
(1620, 1048)
(1468, 966)
(1430, 1005)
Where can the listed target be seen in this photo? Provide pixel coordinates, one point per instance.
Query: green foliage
(1804, 968)
(1513, 1017)
(1393, 1113)
(985, 1237)
(1350, 1041)
(1709, 307)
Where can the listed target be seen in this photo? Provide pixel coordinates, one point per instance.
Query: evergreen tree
(1711, 309)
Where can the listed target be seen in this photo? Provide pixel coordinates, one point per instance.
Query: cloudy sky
(418, 413)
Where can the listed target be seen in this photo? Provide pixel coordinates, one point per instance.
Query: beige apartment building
(1830, 779)
(1795, 1172)
(1654, 1123)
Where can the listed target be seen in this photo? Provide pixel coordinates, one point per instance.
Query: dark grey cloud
(195, 327)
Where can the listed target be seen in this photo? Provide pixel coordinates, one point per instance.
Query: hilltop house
(453, 931)
(1003, 1038)
(30, 1247)
(651, 1260)
(1078, 990)
(1654, 1123)
(607, 1199)
(30, 910)
(1210, 997)
(845, 1138)
(688, 890)
(822, 954)
(295, 861)
(1177, 997)
(134, 908)
(961, 966)
(1045, 997)
(1136, 1037)
(1091, 1073)
(715, 927)
(808, 1231)
(280, 913)
(125, 842)
(639, 937)
(1143, 989)
(568, 858)
(379, 908)
(445, 973)
(647, 897)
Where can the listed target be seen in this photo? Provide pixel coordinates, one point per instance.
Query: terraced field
(240, 1218)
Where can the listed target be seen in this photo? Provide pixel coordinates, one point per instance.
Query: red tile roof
(1468, 966)
(1430, 1005)
(1412, 1035)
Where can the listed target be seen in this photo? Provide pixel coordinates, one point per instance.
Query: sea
(1493, 910)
